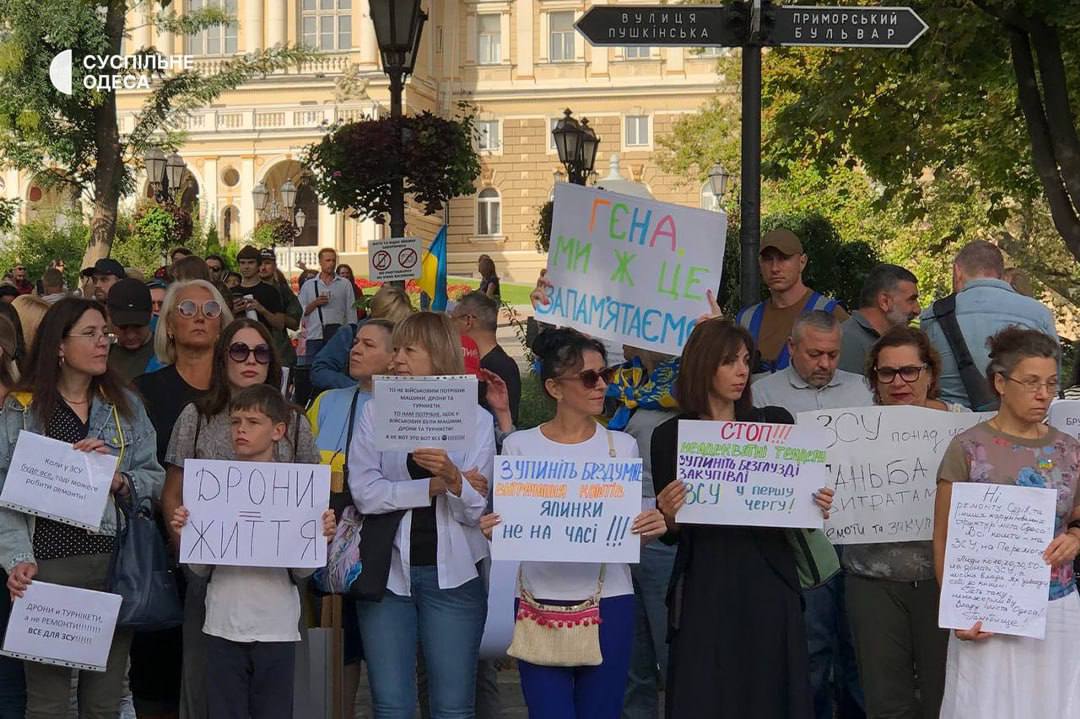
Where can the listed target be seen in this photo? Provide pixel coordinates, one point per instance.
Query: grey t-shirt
(215, 439)
(640, 427)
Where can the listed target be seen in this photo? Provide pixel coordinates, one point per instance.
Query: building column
(208, 193)
(327, 227)
(247, 204)
(140, 38)
(252, 27)
(369, 44)
(277, 23)
(523, 48)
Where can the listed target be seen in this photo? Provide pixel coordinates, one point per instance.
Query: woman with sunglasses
(892, 594)
(192, 315)
(1012, 676)
(737, 640)
(69, 394)
(574, 374)
(243, 356)
(428, 512)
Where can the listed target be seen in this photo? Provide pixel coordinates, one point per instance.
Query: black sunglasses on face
(591, 377)
(238, 352)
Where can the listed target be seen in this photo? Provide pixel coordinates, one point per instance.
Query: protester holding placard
(68, 393)
(892, 594)
(738, 645)
(421, 543)
(243, 356)
(252, 614)
(1018, 676)
(574, 375)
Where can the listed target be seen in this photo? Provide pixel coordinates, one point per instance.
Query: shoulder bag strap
(349, 432)
(198, 429)
(975, 384)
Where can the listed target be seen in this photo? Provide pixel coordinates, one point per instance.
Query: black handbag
(140, 571)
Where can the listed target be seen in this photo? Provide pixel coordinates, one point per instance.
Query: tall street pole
(750, 215)
(397, 189)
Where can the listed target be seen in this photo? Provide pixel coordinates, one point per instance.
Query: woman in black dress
(738, 646)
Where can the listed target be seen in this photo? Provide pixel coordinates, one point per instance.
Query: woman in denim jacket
(69, 394)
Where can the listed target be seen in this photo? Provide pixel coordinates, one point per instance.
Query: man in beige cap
(782, 262)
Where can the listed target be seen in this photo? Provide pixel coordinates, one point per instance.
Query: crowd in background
(209, 361)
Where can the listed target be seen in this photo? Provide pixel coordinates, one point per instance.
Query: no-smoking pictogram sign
(407, 258)
(381, 260)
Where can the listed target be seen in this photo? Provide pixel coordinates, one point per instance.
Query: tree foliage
(76, 138)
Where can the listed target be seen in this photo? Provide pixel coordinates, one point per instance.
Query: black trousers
(249, 679)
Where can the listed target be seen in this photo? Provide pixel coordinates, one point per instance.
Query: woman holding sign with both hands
(738, 645)
(573, 372)
(1013, 676)
(69, 394)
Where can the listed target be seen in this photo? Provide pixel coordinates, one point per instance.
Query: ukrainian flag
(433, 272)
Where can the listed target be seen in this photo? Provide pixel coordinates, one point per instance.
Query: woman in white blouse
(433, 592)
(573, 372)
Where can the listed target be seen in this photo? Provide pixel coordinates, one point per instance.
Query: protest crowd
(689, 613)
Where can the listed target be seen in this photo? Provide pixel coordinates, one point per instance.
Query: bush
(37, 243)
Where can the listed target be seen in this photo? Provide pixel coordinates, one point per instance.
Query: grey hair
(164, 345)
(1014, 344)
(818, 319)
(980, 258)
(483, 308)
(883, 278)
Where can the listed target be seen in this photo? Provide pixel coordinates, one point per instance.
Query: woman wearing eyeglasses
(1010, 676)
(192, 315)
(892, 594)
(69, 394)
(574, 374)
(243, 356)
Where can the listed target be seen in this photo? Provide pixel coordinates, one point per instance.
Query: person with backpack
(769, 322)
(959, 325)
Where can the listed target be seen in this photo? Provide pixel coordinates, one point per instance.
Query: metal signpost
(750, 25)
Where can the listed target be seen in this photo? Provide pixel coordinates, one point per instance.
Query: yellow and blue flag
(433, 272)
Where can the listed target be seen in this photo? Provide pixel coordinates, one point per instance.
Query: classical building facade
(519, 62)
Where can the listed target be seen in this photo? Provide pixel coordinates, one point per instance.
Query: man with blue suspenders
(782, 262)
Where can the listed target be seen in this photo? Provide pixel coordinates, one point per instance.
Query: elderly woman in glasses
(892, 594)
(243, 356)
(69, 394)
(1014, 676)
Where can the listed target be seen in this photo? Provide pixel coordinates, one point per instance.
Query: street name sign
(895, 27)
(664, 25)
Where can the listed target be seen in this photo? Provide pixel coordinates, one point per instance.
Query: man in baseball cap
(130, 309)
(105, 273)
(782, 262)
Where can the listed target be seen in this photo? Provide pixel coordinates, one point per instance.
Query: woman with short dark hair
(738, 643)
(1014, 676)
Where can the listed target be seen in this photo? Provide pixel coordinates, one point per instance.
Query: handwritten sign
(424, 412)
(65, 626)
(883, 463)
(566, 510)
(48, 478)
(1064, 416)
(629, 269)
(254, 514)
(749, 473)
(994, 570)
(397, 258)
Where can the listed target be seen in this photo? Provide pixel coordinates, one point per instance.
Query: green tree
(35, 244)
(75, 139)
(982, 102)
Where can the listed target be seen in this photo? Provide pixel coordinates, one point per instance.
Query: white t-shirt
(564, 580)
(252, 604)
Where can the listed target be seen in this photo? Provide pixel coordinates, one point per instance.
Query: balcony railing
(265, 118)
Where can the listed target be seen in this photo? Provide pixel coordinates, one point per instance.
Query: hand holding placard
(433, 412)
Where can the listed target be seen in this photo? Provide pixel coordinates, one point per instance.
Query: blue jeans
(649, 658)
(12, 682)
(586, 692)
(448, 624)
(831, 650)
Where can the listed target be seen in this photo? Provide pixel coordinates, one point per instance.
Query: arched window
(230, 218)
(488, 211)
(708, 199)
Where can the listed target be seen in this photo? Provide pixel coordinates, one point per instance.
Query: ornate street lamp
(718, 182)
(576, 144)
(165, 174)
(174, 169)
(260, 195)
(288, 196)
(154, 160)
(398, 25)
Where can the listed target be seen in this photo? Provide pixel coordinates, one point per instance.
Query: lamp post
(398, 25)
(718, 182)
(577, 144)
(166, 174)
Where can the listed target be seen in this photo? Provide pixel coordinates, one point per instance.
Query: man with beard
(889, 298)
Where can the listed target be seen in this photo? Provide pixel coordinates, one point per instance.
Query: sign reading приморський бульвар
(631, 270)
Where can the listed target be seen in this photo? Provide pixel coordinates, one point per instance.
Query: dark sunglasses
(238, 352)
(591, 377)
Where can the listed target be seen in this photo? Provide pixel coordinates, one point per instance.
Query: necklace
(997, 426)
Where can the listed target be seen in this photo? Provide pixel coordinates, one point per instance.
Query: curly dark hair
(904, 336)
(562, 350)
